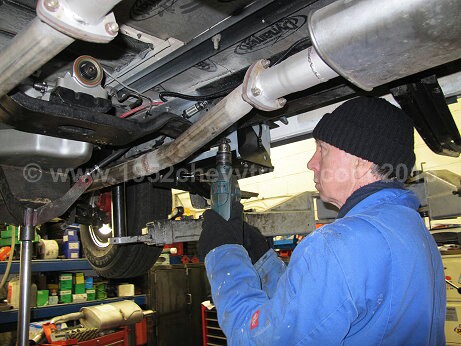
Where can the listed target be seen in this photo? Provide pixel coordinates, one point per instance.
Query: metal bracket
(59, 206)
(33, 115)
(163, 232)
(60, 15)
(441, 189)
(424, 101)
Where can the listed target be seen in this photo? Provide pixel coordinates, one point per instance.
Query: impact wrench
(225, 188)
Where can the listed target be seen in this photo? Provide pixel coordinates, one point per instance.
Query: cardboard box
(91, 294)
(71, 233)
(65, 282)
(71, 245)
(65, 296)
(89, 282)
(73, 255)
(52, 287)
(14, 292)
(5, 252)
(71, 249)
(9, 232)
(79, 288)
(101, 291)
(79, 298)
(125, 290)
(79, 278)
(53, 300)
(79, 283)
(42, 297)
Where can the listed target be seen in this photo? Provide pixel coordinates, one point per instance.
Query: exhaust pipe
(262, 88)
(369, 42)
(229, 110)
(58, 24)
(28, 51)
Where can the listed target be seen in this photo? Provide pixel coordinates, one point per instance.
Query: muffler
(373, 42)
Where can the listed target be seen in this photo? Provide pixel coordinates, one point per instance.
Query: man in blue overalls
(372, 277)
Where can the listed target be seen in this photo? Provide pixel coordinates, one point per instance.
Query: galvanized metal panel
(443, 194)
(21, 149)
(181, 19)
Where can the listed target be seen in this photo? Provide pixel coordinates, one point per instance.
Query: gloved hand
(254, 242)
(216, 231)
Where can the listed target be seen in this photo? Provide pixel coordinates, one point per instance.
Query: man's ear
(362, 168)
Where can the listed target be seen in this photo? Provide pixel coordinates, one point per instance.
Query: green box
(65, 282)
(42, 297)
(79, 278)
(7, 241)
(79, 283)
(65, 296)
(101, 291)
(9, 232)
(79, 288)
(91, 294)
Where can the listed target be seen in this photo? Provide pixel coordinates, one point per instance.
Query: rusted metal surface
(46, 212)
(294, 216)
(58, 207)
(228, 111)
(14, 207)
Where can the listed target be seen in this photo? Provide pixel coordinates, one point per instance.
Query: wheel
(144, 203)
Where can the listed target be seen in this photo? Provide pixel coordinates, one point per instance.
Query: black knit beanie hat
(372, 129)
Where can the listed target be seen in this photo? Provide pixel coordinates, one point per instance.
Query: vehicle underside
(137, 100)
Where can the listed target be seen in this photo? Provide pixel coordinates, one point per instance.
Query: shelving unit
(43, 312)
(9, 317)
(54, 265)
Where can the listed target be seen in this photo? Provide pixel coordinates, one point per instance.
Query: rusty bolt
(256, 91)
(282, 102)
(266, 63)
(216, 39)
(51, 5)
(111, 28)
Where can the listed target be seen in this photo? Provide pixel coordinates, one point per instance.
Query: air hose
(10, 260)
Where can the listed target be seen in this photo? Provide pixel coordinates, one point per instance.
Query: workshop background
(176, 287)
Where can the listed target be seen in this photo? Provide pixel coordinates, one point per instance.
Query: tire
(144, 203)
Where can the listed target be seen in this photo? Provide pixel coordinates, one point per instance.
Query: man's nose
(312, 163)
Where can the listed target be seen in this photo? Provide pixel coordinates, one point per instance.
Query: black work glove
(216, 231)
(254, 242)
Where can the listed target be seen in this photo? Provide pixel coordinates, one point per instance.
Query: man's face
(334, 173)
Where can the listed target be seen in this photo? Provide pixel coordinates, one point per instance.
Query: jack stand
(26, 237)
(30, 219)
(119, 210)
(33, 217)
